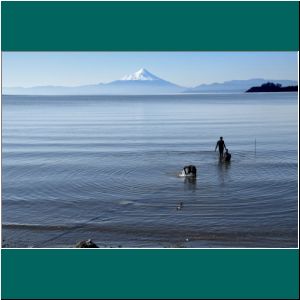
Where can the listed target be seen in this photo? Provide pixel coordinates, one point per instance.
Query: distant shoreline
(145, 83)
(270, 87)
(142, 95)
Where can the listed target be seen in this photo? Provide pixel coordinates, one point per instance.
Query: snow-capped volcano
(141, 74)
(143, 82)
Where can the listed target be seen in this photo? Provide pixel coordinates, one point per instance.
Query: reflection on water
(190, 182)
(105, 168)
(223, 171)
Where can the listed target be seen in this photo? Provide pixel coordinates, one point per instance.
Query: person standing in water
(221, 145)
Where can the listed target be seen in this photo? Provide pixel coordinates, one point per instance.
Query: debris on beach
(86, 244)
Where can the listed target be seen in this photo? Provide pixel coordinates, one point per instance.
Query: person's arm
(225, 146)
(216, 146)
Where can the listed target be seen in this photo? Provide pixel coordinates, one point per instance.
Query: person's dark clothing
(221, 146)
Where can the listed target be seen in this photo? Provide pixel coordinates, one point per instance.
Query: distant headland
(272, 87)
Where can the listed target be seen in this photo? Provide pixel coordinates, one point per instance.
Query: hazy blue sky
(183, 68)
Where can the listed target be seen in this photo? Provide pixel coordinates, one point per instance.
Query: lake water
(104, 167)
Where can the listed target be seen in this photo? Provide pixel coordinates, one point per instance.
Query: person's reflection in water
(190, 183)
(223, 169)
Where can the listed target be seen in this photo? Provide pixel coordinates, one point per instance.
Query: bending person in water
(227, 156)
(189, 171)
(221, 145)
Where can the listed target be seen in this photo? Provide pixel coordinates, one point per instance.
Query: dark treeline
(272, 87)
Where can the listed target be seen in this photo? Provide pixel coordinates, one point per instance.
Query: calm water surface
(104, 167)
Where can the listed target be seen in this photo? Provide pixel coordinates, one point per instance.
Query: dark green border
(168, 274)
(150, 26)
(165, 26)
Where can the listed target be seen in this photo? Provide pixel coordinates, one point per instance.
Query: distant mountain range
(141, 82)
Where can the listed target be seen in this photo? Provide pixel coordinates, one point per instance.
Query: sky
(189, 69)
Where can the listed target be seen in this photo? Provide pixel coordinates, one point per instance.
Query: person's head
(221, 138)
